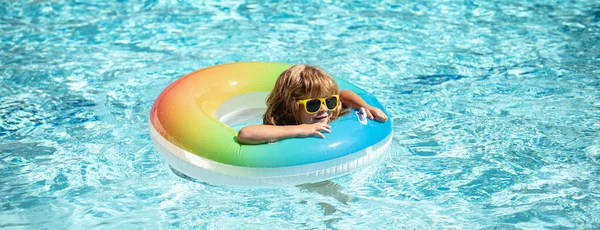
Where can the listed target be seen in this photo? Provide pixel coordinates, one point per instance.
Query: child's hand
(375, 114)
(306, 130)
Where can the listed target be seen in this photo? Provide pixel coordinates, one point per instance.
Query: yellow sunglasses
(312, 105)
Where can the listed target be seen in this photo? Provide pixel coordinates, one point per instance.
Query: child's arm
(354, 101)
(259, 134)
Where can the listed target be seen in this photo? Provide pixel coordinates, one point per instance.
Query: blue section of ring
(347, 136)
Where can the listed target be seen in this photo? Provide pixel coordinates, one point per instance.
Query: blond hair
(296, 83)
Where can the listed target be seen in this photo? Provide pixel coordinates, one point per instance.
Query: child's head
(297, 83)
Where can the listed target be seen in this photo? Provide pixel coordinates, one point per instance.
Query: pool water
(495, 105)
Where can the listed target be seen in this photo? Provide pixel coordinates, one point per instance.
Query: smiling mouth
(321, 117)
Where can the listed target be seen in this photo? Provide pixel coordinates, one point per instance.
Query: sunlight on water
(496, 111)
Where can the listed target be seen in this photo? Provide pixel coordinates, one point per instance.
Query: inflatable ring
(195, 120)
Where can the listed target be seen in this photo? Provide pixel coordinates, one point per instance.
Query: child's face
(322, 116)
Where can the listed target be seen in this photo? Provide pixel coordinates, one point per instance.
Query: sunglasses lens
(331, 102)
(313, 105)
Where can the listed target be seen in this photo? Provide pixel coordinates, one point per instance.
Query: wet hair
(296, 83)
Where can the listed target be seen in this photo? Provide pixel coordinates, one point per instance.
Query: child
(302, 103)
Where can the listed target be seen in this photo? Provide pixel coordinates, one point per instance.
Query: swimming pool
(496, 110)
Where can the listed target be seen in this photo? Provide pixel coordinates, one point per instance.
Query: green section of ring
(184, 113)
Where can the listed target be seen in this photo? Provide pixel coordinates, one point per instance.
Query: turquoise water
(496, 111)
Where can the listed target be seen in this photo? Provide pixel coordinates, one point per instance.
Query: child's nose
(323, 107)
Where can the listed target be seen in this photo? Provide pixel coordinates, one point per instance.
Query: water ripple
(495, 110)
(18, 113)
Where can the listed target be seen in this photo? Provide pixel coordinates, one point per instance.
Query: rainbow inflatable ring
(195, 120)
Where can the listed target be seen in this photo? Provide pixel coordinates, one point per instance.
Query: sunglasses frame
(323, 102)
